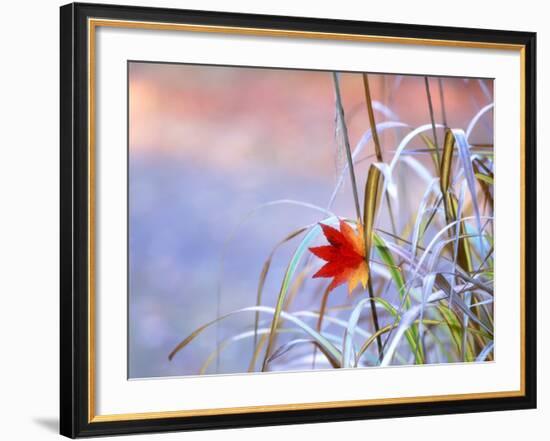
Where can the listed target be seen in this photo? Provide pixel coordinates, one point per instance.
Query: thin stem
(442, 100)
(388, 328)
(376, 139)
(372, 121)
(375, 320)
(341, 117)
(430, 105)
(322, 311)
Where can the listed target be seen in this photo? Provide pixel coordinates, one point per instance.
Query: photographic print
(289, 220)
(279, 220)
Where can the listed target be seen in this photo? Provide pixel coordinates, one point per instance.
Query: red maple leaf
(345, 256)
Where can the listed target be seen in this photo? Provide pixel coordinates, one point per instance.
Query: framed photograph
(274, 220)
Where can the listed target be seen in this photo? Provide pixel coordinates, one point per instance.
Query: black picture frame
(74, 326)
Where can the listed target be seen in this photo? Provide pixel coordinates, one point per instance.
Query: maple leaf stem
(341, 117)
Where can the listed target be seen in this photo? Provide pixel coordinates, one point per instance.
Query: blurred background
(208, 145)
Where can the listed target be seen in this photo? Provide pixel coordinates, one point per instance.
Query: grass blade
(486, 351)
(265, 271)
(289, 274)
(372, 121)
(372, 200)
(342, 121)
(322, 311)
(406, 321)
(323, 341)
(387, 329)
(472, 124)
(432, 118)
(466, 160)
(407, 139)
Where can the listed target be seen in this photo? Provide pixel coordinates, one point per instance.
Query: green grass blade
(265, 271)
(289, 274)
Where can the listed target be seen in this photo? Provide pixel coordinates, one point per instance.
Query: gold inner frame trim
(92, 25)
(300, 406)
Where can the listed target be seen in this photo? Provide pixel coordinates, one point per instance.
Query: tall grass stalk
(342, 121)
(442, 102)
(376, 140)
(432, 117)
